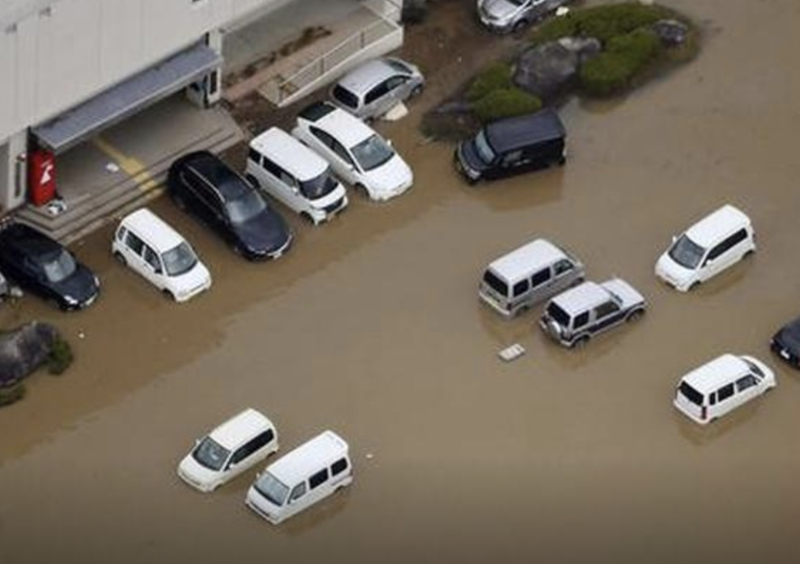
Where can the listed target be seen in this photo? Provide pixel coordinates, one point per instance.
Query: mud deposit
(371, 327)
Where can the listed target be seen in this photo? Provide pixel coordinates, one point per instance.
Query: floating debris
(512, 353)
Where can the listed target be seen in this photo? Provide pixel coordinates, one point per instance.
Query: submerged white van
(528, 275)
(711, 245)
(722, 385)
(153, 249)
(308, 474)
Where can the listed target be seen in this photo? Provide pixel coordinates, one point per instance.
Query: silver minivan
(528, 275)
(374, 88)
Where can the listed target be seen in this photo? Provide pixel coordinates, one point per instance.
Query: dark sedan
(786, 343)
(204, 185)
(45, 268)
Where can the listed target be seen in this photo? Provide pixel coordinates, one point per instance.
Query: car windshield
(272, 488)
(373, 152)
(245, 207)
(179, 260)
(484, 149)
(686, 252)
(59, 267)
(754, 368)
(691, 394)
(495, 283)
(558, 315)
(318, 187)
(210, 454)
(398, 66)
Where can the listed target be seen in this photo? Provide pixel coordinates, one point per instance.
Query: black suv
(218, 196)
(43, 267)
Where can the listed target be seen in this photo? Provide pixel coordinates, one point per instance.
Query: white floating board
(512, 353)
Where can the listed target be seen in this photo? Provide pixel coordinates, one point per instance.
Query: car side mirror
(674, 238)
(389, 142)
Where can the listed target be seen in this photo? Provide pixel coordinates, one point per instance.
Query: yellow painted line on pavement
(129, 165)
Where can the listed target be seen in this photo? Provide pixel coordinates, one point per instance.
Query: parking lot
(371, 326)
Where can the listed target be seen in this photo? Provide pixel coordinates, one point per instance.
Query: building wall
(53, 59)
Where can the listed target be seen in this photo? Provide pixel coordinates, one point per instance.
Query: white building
(74, 67)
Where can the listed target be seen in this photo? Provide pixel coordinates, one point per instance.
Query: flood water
(371, 327)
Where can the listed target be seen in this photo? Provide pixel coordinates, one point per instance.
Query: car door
(324, 143)
(298, 500)
(746, 389)
(519, 295)
(563, 276)
(541, 285)
(606, 315)
(714, 261)
(726, 400)
(133, 251)
(377, 100)
(513, 163)
(152, 267)
(347, 158)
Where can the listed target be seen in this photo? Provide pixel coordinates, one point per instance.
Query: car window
(377, 92)
(581, 320)
(344, 96)
(495, 283)
(263, 439)
(121, 232)
(341, 152)
(318, 479)
(562, 266)
(512, 158)
(287, 179)
(540, 277)
(134, 243)
(338, 467)
(725, 392)
(746, 382)
(323, 136)
(151, 258)
(396, 82)
(521, 287)
(298, 492)
(254, 156)
(606, 309)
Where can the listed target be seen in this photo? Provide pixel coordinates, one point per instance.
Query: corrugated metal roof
(125, 99)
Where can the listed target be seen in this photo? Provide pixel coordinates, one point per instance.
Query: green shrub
(11, 394)
(495, 77)
(60, 357)
(601, 22)
(504, 103)
(624, 58)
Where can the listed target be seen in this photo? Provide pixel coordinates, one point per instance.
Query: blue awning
(127, 98)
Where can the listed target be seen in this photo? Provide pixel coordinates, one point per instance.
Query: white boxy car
(305, 476)
(293, 174)
(722, 385)
(235, 446)
(356, 152)
(152, 248)
(711, 245)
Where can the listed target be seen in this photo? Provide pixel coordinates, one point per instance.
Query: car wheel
(635, 315)
(748, 253)
(120, 258)
(169, 295)
(362, 190)
(519, 26)
(54, 303)
(581, 342)
(694, 285)
(417, 90)
(307, 217)
(562, 160)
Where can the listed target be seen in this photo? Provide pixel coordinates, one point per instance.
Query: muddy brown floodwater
(371, 327)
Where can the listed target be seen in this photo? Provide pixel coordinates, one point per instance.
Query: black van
(513, 146)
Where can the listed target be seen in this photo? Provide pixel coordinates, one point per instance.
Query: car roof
(720, 223)
(361, 79)
(28, 240)
(582, 297)
(515, 132)
(322, 450)
(154, 230)
(716, 373)
(346, 128)
(227, 182)
(289, 153)
(524, 260)
(240, 428)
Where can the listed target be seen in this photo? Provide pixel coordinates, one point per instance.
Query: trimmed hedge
(602, 22)
(614, 69)
(495, 77)
(60, 357)
(508, 102)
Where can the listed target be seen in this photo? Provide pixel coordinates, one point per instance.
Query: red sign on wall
(42, 177)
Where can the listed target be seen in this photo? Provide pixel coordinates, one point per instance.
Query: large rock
(549, 69)
(23, 350)
(671, 32)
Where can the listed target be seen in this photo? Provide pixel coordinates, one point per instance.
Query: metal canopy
(127, 98)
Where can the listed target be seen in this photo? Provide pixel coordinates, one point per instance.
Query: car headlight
(70, 300)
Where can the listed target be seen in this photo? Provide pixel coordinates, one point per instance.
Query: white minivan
(293, 174)
(235, 446)
(711, 245)
(527, 276)
(152, 248)
(308, 474)
(722, 385)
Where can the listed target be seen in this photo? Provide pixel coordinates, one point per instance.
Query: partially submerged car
(375, 87)
(44, 267)
(577, 315)
(786, 343)
(512, 15)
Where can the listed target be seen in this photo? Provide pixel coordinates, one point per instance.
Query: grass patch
(60, 357)
(505, 103)
(12, 394)
(495, 77)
